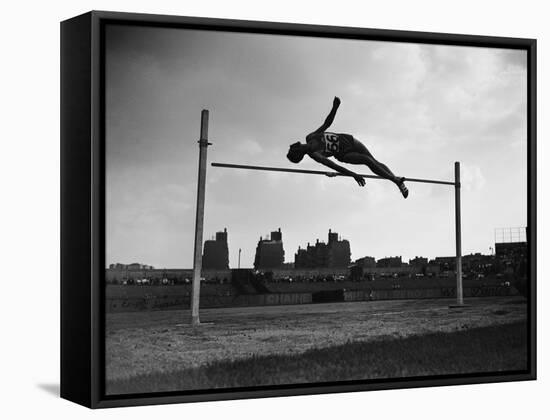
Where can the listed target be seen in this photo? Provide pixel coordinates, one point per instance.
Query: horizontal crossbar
(306, 171)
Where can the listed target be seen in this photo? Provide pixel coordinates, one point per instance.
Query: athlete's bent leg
(377, 167)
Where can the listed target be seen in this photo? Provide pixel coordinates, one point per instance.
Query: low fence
(433, 293)
(171, 302)
(359, 295)
(152, 302)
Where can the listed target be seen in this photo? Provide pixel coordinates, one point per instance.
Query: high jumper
(321, 145)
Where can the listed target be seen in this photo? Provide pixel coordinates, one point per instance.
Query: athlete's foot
(404, 190)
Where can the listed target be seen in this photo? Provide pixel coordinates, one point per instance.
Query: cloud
(418, 108)
(248, 147)
(472, 178)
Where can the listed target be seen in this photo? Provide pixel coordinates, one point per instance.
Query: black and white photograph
(275, 210)
(286, 210)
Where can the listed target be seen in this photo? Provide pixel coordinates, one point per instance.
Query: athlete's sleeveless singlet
(337, 144)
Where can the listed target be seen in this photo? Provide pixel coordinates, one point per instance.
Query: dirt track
(142, 342)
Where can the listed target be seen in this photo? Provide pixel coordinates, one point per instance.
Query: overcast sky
(417, 108)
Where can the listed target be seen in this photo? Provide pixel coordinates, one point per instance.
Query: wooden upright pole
(458, 228)
(199, 220)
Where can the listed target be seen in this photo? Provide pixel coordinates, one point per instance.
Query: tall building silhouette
(216, 252)
(334, 254)
(270, 252)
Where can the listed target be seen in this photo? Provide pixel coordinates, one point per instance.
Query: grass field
(159, 351)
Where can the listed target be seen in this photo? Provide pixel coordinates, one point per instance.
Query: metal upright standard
(199, 219)
(458, 236)
(455, 183)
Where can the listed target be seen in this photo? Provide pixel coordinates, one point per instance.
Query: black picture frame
(83, 210)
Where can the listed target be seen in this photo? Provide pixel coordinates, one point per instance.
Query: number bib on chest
(332, 143)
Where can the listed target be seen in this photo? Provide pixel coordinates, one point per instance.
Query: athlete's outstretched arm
(330, 118)
(318, 157)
